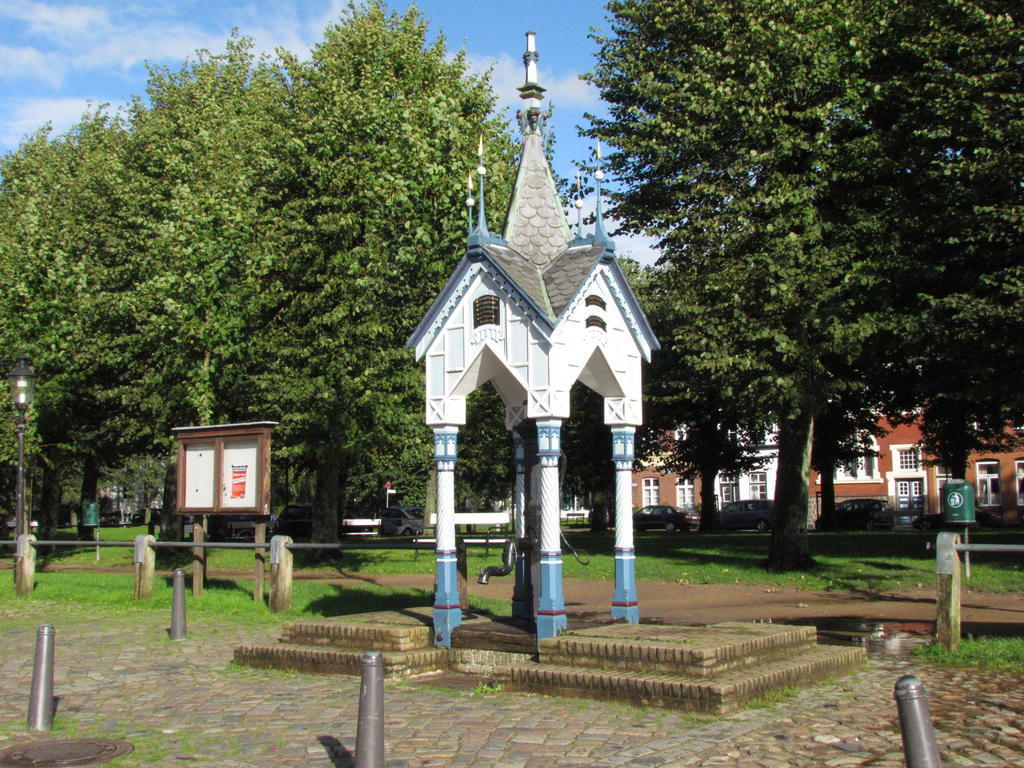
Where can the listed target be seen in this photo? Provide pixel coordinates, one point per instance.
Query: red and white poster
(239, 472)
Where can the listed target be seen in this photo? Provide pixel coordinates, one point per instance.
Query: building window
(728, 490)
(685, 497)
(486, 311)
(596, 322)
(1020, 482)
(652, 488)
(594, 301)
(987, 473)
(909, 459)
(759, 485)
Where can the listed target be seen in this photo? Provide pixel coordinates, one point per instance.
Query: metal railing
(281, 567)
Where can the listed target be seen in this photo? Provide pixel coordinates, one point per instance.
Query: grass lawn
(847, 561)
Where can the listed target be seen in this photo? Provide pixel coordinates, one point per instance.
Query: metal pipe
(508, 562)
(990, 547)
(179, 630)
(20, 522)
(370, 725)
(40, 700)
(919, 746)
(84, 544)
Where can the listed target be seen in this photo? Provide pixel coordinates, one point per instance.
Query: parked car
(243, 527)
(401, 521)
(660, 516)
(870, 514)
(296, 521)
(747, 513)
(991, 518)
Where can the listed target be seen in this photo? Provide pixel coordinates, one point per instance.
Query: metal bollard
(920, 749)
(178, 627)
(40, 700)
(370, 726)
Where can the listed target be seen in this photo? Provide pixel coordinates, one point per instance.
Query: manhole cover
(57, 753)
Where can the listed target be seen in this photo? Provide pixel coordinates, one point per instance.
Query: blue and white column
(522, 599)
(551, 605)
(624, 602)
(447, 610)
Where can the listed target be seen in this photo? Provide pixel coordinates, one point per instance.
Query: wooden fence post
(947, 567)
(145, 567)
(280, 574)
(259, 567)
(198, 555)
(25, 564)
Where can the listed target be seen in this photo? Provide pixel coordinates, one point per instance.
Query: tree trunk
(708, 505)
(827, 513)
(90, 479)
(169, 503)
(328, 493)
(49, 502)
(788, 551)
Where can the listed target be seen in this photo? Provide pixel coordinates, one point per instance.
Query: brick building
(898, 472)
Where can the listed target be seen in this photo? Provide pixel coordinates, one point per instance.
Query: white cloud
(507, 74)
(133, 46)
(27, 62)
(56, 22)
(25, 116)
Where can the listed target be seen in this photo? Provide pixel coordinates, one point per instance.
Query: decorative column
(447, 612)
(551, 606)
(624, 602)
(522, 595)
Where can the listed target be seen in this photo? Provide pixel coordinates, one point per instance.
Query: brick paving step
(722, 694)
(699, 651)
(337, 661)
(383, 631)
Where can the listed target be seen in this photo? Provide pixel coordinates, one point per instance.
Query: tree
(383, 128)
(695, 425)
(948, 93)
(726, 117)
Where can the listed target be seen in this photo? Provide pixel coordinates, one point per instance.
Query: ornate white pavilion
(533, 311)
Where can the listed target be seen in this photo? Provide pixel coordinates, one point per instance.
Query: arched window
(594, 301)
(486, 311)
(596, 322)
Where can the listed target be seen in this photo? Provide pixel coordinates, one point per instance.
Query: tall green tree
(947, 97)
(384, 127)
(726, 116)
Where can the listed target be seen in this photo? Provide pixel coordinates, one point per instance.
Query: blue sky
(57, 57)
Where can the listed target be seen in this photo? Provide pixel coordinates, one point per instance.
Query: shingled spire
(535, 226)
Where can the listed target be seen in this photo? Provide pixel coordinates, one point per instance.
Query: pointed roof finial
(600, 236)
(531, 119)
(469, 203)
(481, 234)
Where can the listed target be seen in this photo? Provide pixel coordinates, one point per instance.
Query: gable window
(685, 497)
(909, 459)
(486, 311)
(1019, 465)
(652, 488)
(596, 322)
(594, 301)
(759, 485)
(988, 484)
(728, 490)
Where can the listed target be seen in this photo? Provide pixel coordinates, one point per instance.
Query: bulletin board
(224, 469)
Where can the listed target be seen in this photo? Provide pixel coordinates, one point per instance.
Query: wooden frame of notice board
(224, 469)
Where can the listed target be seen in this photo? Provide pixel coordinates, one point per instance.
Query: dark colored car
(660, 516)
(747, 513)
(401, 521)
(869, 514)
(991, 518)
(296, 521)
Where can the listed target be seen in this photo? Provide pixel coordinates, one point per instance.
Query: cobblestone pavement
(183, 703)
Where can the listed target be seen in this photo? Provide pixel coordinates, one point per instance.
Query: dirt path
(708, 603)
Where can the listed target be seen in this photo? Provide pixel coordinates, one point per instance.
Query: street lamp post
(22, 383)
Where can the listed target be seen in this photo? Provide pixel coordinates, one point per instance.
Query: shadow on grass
(349, 600)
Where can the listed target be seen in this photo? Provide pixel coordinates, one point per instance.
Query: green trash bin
(958, 502)
(90, 514)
